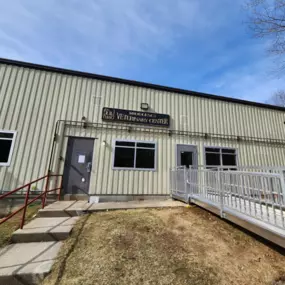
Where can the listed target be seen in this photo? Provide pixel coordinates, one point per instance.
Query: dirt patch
(166, 246)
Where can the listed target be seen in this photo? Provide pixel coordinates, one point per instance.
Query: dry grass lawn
(164, 246)
(7, 228)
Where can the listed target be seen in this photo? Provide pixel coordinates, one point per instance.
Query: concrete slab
(64, 209)
(27, 263)
(51, 213)
(114, 198)
(60, 205)
(77, 208)
(45, 229)
(135, 205)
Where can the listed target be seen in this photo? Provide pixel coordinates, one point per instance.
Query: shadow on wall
(10, 182)
(8, 205)
(12, 202)
(171, 123)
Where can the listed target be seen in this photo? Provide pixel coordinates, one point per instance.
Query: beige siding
(31, 102)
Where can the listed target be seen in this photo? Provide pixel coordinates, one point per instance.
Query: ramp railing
(258, 194)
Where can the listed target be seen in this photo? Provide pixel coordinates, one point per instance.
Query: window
(186, 158)
(220, 157)
(134, 155)
(7, 140)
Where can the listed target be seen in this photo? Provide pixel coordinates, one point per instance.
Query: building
(112, 137)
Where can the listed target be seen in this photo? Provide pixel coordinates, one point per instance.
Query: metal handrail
(257, 195)
(42, 196)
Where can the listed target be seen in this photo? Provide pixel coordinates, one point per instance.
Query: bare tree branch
(278, 98)
(267, 20)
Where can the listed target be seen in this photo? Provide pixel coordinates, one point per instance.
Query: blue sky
(197, 45)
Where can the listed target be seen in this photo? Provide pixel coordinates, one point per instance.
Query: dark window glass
(229, 159)
(124, 157)
(122, 143)
(145, 158)
(213, 159)
(6, 135)
(186, 158)
(224, 150)
(209, 149)
(148, 145)
(5, 147)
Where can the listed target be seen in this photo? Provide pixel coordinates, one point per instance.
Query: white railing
(256, 192)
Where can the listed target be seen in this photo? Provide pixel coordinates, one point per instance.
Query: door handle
(89, 167)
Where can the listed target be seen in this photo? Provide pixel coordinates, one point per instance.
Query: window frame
(221, 156)
(8, 163)
(134, 147)
(195, 151)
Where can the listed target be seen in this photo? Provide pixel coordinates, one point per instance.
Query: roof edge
(137, 83)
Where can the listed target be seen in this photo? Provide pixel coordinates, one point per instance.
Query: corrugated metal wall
(31, 101)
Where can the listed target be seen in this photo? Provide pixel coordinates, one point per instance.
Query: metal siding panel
(220, 117)
(259, 118)
(6, 177)
(268, 124)
(87, 100)
(13, 172)
(24, 137)
(66, 97)
(70, 103)
(205, 123)
(2, 76)
(216, 115)
(238, 124)
(94, 186)
(105, 167)
(77, 96)
(35, 128)
(16, 75)
(5, 88)
(249, 122)
(41, 98)
(225, 119)
(92, 115)
(209, 123)
(277, 124)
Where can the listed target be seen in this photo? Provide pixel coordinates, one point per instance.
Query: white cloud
(96, 29)
(254, 81)
(137, 38)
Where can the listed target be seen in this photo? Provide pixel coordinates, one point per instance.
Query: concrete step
(27, 263)
(45, 229)
(65, 209)
(49, 213)
(78, 208)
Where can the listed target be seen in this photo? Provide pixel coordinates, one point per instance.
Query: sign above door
(135, 117)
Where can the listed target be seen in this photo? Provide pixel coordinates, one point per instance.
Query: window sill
(4, 164)
(134, 169)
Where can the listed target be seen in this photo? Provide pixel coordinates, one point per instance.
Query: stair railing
(42, 196)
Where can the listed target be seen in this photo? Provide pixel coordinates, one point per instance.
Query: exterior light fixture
(84, 122)
(104, 143)
(144, 106)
